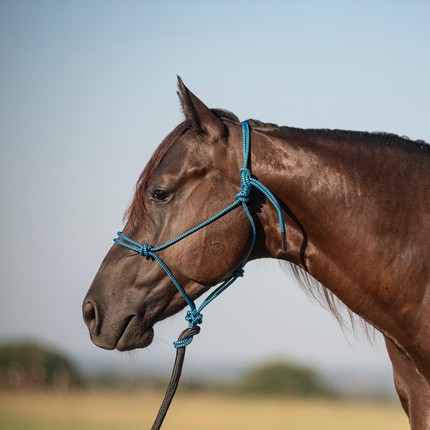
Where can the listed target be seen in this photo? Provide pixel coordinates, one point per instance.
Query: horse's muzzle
(126, 333)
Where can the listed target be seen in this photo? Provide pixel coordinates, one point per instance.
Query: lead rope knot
(245, 185)
(186, 337)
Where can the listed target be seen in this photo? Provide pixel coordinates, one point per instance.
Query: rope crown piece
(194, 315)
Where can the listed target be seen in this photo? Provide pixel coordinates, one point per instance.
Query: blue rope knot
(182, 343)
(239, 272)
(245, 184)
(145, 250)
(194, 317)
(242, 196)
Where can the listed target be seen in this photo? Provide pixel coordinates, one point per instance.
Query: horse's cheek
(214, 258)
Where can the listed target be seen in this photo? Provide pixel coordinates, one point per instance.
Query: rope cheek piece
(194, 315)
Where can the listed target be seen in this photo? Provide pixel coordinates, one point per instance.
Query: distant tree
(284, 379)
(31, 364)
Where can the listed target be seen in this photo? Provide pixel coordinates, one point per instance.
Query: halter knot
(239, 272)
(194, 317)
(145, 250)
(245, 184)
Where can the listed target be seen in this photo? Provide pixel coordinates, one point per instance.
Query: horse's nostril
(89, 312)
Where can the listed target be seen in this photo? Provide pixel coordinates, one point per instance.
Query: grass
(113, 410)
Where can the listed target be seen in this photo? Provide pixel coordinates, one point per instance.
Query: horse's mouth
(135, 335)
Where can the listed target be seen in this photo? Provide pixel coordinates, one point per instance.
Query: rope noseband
(194, 316)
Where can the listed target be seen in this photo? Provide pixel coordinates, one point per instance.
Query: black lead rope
(176, 375)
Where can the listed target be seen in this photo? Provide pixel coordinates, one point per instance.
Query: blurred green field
(113, 410)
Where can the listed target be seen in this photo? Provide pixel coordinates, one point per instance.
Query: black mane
(362, 136)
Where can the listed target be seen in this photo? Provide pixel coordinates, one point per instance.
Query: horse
(356, 208)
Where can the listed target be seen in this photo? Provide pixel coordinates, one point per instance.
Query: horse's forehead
(184, 154)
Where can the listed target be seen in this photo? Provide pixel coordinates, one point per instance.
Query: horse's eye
(160, 195)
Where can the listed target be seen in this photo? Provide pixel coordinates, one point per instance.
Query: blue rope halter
(194, 316)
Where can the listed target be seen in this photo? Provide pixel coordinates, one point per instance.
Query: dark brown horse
(357, 215)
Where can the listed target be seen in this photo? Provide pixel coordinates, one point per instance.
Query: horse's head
(192, 175)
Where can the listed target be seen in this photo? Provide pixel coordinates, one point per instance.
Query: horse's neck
(348, 214)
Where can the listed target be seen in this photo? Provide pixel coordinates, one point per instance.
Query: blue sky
(88, 91)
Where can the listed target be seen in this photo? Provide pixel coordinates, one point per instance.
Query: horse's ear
(203, 120)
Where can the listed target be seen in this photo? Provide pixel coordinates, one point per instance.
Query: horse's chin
(135, 336)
